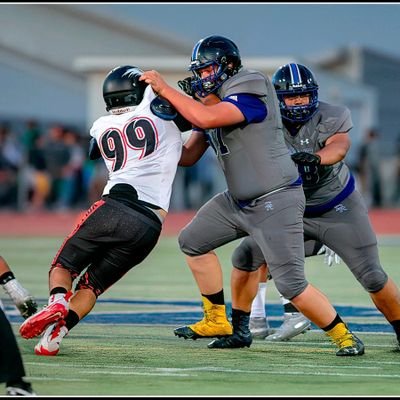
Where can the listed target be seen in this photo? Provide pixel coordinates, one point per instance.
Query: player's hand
(304, 158)
(156, 81)
(330, 256)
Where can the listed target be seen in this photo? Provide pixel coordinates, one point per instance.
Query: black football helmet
(293, 79)
(122, 88)
(220, 52)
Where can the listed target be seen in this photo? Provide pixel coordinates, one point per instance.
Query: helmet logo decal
(295, 75)
(132, 72)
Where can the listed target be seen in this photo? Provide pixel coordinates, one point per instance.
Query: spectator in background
(31, 134)
(38, 179)
(72, 171)
(396, 191)
(57, 155)
(369, 167)
(10, 162)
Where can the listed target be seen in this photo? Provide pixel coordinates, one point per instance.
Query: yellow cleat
(214, 324)
(349, 344)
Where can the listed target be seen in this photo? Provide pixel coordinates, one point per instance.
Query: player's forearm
(333, 153)
(194, 111)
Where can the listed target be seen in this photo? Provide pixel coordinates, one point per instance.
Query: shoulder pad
(163, 109)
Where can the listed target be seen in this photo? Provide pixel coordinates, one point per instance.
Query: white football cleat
(22, 299)
(259, 327)
(49, 343)
(293, 324)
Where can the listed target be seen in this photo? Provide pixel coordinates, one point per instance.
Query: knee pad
(242, 258)
(188, 245)
(373, 280)
(289, 290)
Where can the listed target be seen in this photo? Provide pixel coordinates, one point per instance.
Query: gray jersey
(254, 157)
(322, 183)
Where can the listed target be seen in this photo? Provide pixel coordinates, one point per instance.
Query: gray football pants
(346, 229)
(275, 223)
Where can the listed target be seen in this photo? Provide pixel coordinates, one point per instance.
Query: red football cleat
(37, 323)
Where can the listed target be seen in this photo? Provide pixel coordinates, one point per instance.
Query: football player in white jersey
(141, 145)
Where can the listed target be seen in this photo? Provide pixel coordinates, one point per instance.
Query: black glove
(304, 158)
(94, 151)
(186, 86)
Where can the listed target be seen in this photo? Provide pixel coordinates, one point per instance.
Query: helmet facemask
(299, 113)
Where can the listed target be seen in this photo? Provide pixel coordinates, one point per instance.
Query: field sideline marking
(182, 371)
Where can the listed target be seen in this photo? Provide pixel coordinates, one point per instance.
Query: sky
(271, 29)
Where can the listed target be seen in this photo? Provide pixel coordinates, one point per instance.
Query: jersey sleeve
(252, 107)
(335, 119)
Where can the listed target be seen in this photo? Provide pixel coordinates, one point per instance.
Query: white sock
(258, 305)
(55, 297)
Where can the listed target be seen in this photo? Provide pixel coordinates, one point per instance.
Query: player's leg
(259, 325)
(294, 322)
(210, 228)
(284, 253)
(74, 255)
(12, 370)
(353, 239)
(134, 236)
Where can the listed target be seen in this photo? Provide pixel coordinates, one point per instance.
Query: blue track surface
(170, 316)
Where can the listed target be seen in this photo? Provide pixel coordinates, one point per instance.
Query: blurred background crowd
(45, 167)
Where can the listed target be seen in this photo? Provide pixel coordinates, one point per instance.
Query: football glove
(304, 158)
(330, 256)
(94, 151)
(186, 86)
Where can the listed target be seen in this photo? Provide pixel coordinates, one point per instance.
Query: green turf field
(121, 358)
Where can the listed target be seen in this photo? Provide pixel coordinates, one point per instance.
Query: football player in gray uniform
(316, 134)
(264, 199)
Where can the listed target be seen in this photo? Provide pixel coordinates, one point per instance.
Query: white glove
(330, 256)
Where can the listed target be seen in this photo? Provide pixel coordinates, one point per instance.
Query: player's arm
(163, 109)
(335, 149)
(193, 148)
(200, 115)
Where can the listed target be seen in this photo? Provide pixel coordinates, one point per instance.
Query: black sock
(396, 327)
(289, 308)
(58, 289)
(236, 312)
(7, 276)
(336, 321)
(71, 320)
(216, 298)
